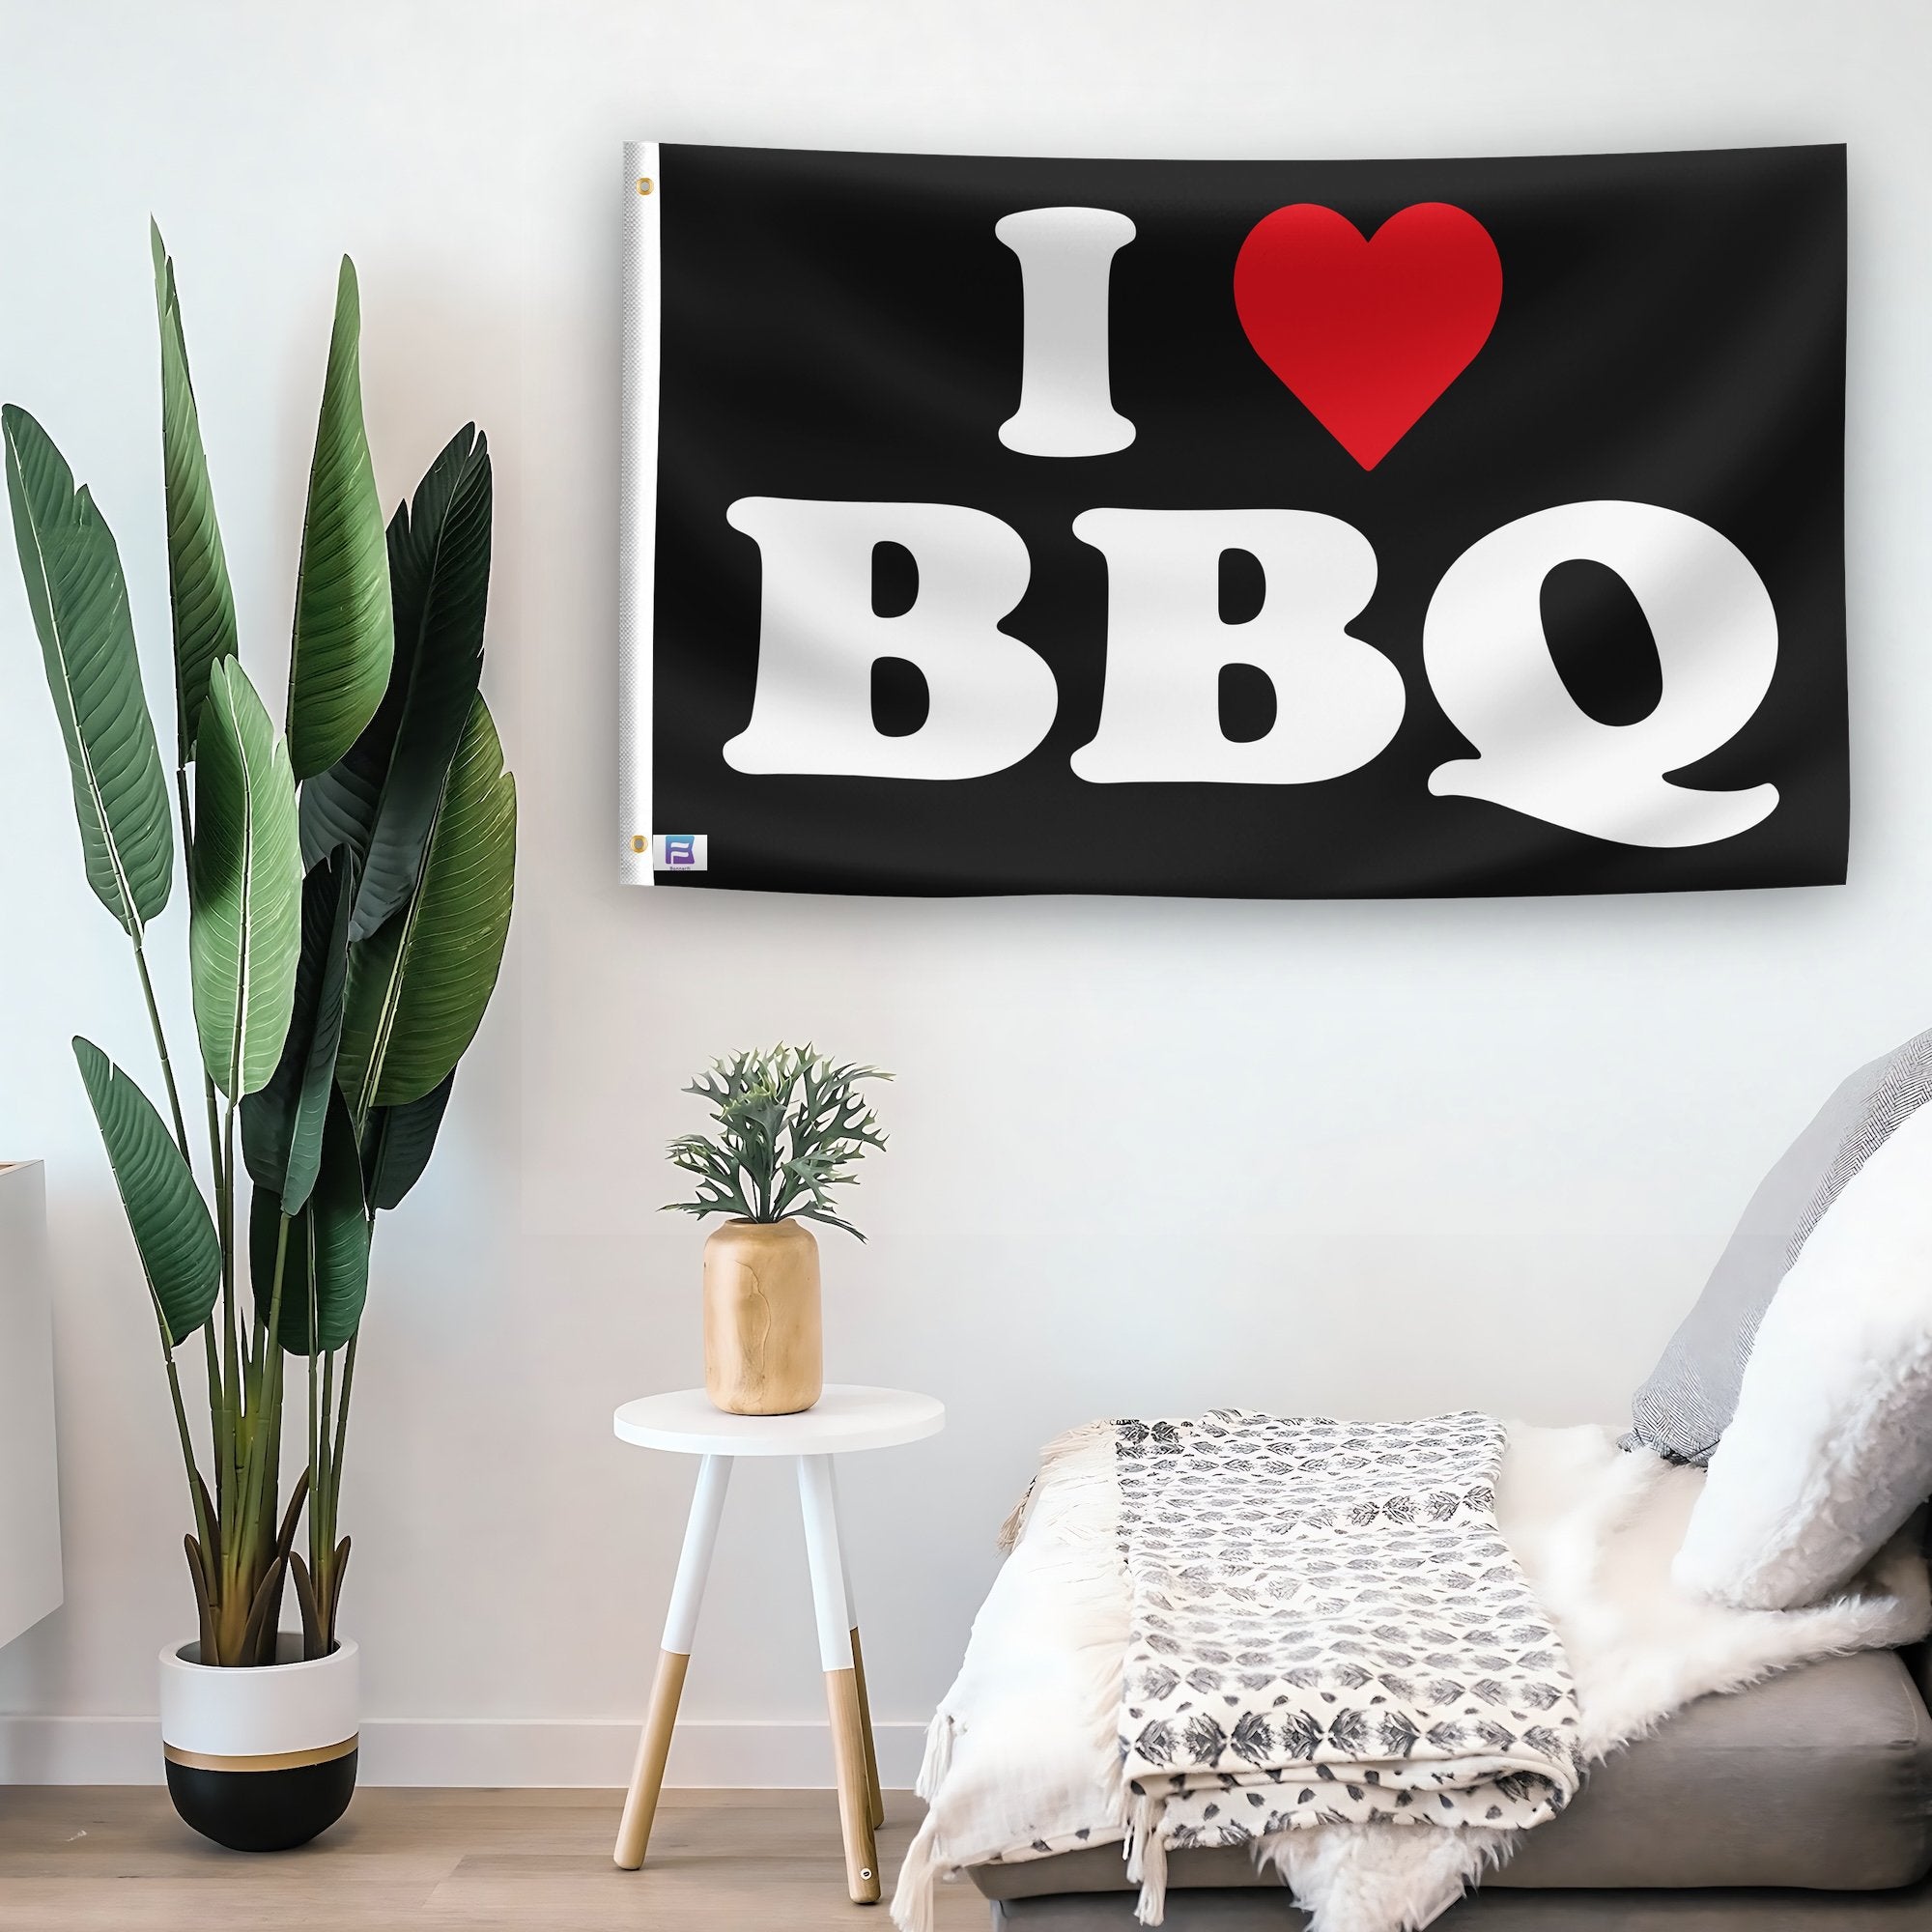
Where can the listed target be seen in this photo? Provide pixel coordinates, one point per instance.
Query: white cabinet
(30, 1557)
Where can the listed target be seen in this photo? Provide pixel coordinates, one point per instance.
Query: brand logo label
(678, 851)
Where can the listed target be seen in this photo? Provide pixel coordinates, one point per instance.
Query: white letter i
(1065, 260)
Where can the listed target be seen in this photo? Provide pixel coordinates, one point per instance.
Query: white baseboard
(479, 1751)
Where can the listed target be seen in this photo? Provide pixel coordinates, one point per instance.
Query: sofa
(1802, 1383)
(1802, 1805)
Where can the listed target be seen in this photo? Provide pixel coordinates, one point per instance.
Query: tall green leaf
(246, 881)
(173, 1234)
(281, 1125)
(398, 1141)
(418, 988)
(381, 797)
(198, 589)
(80, 601)
(344, 635)
(326, 1263)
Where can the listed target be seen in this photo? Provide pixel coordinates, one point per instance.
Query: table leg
(693, 1563)
(877, 1797)
(821, 1511)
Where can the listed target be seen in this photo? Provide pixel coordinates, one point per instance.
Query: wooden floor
(75, 1860)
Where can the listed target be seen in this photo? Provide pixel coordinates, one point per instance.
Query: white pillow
(1830, 1449)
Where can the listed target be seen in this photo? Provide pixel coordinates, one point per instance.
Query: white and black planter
(263, 1759)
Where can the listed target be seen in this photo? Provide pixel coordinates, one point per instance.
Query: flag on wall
(1300, 530)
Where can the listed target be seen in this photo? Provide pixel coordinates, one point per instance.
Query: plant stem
(230, 1347)
(327, 1537)
(341, 1426)
(321, 1519)
(242, 1567)
(194, 1488)
(162, 1047)
(266, 1407)
(234, 1418)
(317, 1430)
(215, 1436)
(217, 1400)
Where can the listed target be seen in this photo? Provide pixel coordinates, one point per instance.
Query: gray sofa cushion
(1693, 1393)
(1821, 1779)
(1488, 1911)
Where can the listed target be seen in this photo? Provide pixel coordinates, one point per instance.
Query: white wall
(1147, 1155)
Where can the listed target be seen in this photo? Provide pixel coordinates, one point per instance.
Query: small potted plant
(790, 1127)
(349, 888)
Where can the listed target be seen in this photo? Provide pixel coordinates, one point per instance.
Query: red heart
(1368, 332)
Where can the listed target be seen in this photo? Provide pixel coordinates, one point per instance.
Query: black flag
(1310, 530)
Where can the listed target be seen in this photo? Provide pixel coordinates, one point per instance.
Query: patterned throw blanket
(1326, 1627)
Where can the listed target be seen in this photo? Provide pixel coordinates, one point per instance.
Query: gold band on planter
(267, 1761)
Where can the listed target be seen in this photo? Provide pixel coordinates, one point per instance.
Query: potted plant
(790, 1127)
(349, 885)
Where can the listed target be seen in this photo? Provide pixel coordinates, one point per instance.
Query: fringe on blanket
(938, 1758)
(1058, 1453)
(1147, 1859)
(921, 1871)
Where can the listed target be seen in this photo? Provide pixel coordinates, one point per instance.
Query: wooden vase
(764, 1348)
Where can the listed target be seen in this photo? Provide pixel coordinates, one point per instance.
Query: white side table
(844, 1418)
